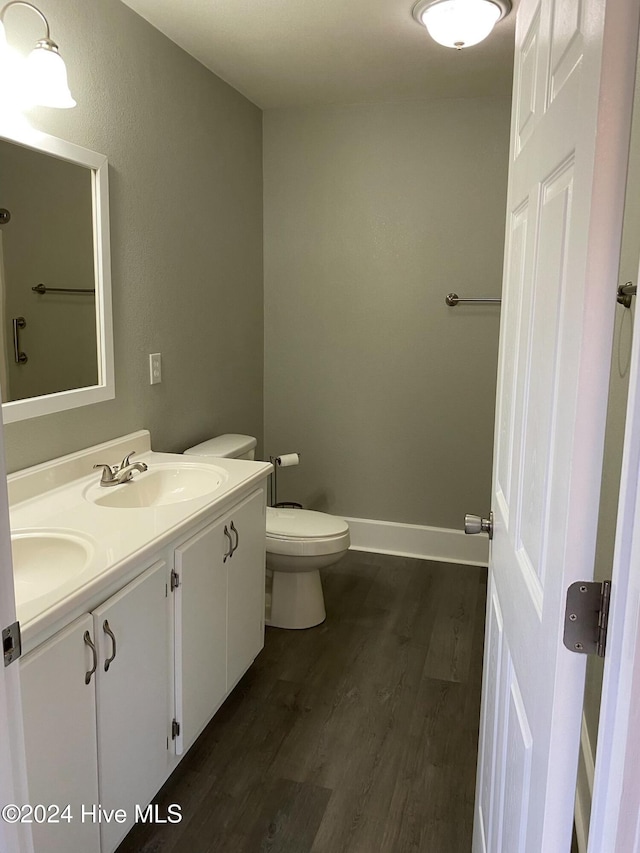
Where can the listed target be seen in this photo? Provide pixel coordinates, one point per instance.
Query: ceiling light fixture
(460, 23)
(42, 75)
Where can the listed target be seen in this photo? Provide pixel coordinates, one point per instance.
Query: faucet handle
(127, 460)
(108, 473)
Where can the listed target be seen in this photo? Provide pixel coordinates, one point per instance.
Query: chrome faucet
(117, 474)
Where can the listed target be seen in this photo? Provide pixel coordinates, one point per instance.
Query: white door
(573, 83)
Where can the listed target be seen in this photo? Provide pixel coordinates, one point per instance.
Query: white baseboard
(442, 544)
(584, 788)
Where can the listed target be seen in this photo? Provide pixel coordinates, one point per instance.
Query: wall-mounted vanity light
(42, 76)
(460, 23)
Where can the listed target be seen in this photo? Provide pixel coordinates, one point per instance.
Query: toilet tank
(229, 445)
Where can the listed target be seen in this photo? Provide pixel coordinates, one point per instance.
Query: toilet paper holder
(286, 460)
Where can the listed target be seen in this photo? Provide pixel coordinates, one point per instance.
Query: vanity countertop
(55, 498)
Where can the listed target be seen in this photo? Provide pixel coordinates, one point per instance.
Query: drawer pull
(89, 642)
(233, 530)
(109, 633)
(229, 553)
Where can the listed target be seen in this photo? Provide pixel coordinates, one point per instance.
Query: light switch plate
(155, 368)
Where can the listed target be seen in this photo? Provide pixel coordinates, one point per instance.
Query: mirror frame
(33, 407)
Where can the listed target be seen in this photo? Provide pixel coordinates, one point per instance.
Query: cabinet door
(246, 580)
(60, 737)
(201, 625)
(133, 697)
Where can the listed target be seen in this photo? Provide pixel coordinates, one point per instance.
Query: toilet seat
(303, 532)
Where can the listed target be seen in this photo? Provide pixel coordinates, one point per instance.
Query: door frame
(614, 824)
(14, 838)
(615, 806)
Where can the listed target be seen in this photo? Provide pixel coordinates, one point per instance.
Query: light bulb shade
(460, 23)
(46, 78)
(11, 88)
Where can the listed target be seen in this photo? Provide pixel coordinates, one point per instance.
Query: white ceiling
(283, 53)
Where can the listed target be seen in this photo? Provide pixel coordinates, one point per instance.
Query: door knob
(475, 524)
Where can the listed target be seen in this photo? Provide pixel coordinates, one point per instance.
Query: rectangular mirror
(56, 334)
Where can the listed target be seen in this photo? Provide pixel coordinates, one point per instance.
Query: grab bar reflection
(452, 299)
(19, 356)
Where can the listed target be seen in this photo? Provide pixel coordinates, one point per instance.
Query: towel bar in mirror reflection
(42, 288)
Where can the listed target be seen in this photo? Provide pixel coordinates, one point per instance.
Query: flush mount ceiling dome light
(460, 23)
(42, 77)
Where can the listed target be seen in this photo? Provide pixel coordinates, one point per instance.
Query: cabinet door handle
(229, 553)
(88, 642)
(233, 530)
(109, 633)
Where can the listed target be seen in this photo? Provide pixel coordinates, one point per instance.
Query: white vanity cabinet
(219, 611)
(60, 737)
(113, 699)
(245, 587)
(134, 702)
(201, 628)
(124, 688)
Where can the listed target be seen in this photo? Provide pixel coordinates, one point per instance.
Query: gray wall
(186, 229)
(49, 239)
(372, 214)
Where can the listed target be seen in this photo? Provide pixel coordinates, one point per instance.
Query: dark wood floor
(358, 736)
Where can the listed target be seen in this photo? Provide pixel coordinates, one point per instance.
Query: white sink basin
(159, 486)
(45, 559)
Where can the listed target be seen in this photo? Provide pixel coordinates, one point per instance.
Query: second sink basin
(161, 485)
(44, 560)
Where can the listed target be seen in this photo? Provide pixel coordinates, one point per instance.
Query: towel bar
(452, 299)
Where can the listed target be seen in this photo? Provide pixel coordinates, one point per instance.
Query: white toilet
(299, 543)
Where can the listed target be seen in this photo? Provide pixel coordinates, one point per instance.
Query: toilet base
(296, 600)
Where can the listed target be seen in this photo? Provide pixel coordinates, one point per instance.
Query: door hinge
(175, 729)
(175, 580)
(11, 643)
(586, 617)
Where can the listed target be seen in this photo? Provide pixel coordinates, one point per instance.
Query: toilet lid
(283, 523)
